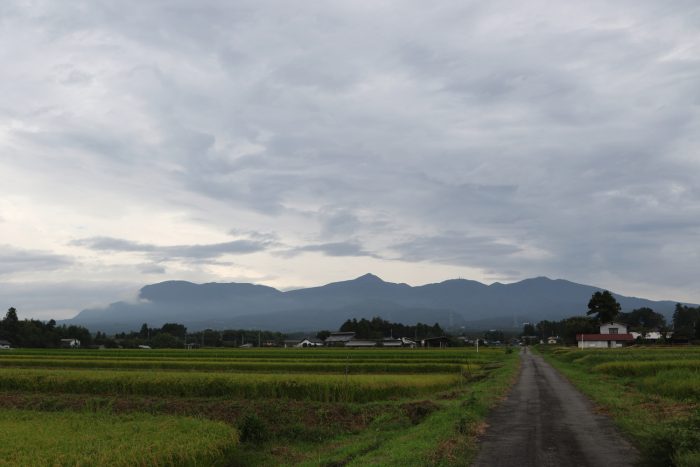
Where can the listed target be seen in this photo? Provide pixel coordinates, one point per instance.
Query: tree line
(378, 328)
(35, 333)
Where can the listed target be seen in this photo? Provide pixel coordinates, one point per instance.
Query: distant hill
(453, 303)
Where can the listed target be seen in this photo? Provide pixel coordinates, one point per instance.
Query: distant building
(309, 342)
(391, 342)
(440, 342)
(652, 335)
(406, 342)
(611, 335)
(70, 343)
(4, 345)
(359, 343)
(339, 339)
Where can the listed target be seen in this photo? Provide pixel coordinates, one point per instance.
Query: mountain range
(456, 303)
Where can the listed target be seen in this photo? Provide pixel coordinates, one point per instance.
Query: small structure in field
(70, 343)
(611, 335)
(553, 340)
(5, 345)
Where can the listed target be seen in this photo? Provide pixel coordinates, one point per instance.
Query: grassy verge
(660, 413)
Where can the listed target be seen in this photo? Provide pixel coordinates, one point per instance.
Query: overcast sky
(299, 143)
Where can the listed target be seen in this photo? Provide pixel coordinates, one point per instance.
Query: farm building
(391, 342)
(398, 342)
(360, 343)
(70, 343)
(5, 344)
(434, 342)
(611, 335)
(309, 342)
(339, 339)
(652, 336)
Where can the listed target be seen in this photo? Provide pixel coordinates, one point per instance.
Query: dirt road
(545, 421)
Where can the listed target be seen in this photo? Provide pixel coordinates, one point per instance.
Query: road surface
(545, 422)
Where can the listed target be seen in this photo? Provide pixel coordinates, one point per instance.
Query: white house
(611, 335)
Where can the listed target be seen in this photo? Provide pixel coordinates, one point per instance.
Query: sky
(294, 144)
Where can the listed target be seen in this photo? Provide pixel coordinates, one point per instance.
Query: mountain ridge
(454, 303)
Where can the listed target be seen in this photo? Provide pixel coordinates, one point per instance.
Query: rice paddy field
(248, 406)
(653, 393)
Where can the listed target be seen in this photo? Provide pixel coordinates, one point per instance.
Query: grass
(651, 393)
(32, 438)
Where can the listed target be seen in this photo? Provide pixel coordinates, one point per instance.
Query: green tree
(685, 321)
(165, 340)
(175, 329)
(604, 305)
(643, 319)
(577, 325)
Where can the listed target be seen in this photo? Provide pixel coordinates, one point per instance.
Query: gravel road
(545, 422)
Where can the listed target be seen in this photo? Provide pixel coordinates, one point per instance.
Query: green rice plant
(32, 438)
(643, 368)
(324, 388)
(681, 384)
(276, 354)
(338, 366)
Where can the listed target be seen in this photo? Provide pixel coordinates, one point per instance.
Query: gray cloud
(206, 251)
(532, 139)
(351, 248)
(453, 248)
(15, 260)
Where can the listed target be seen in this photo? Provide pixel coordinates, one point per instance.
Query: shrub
(253, 430)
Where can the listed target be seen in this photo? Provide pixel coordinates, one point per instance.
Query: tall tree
(685, 321)
(604, 306)
(643, 319)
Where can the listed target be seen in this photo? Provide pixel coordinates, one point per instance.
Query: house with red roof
(611, 335)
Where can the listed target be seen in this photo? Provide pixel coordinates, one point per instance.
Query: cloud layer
(295, 144)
